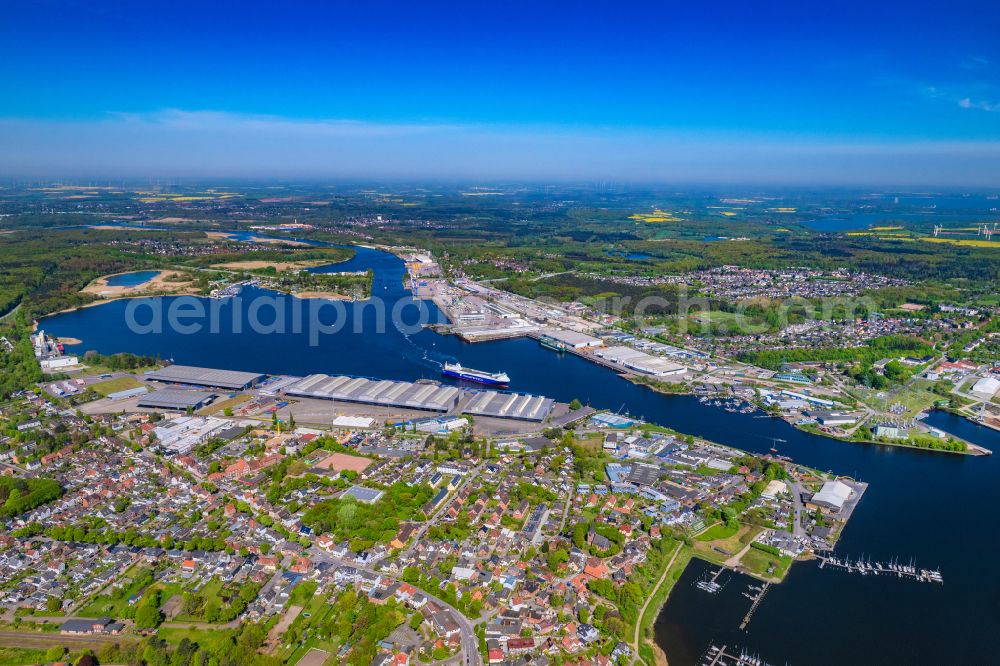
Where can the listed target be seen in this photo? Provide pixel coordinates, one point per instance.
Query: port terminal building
(518, 406)
(179, 399)
(426, 397)
(571, 339)
(189, 375)
(637, 361)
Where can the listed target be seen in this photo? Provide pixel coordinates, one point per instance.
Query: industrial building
(643, 474)
(572, 339)
(829, 417)
(179, 399)
(232, 380)
(181, 435)
(519, 406)
(128, 393)
(429, 397)
(440, 425)
(986, 387)
(58, 362)
(638, 361)
(831, 497)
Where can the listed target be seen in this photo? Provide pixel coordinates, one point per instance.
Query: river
(932, 507)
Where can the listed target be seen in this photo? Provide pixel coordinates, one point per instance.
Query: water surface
(933, 507)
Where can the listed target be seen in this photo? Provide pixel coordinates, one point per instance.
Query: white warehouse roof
(986, 386)
(834, 494)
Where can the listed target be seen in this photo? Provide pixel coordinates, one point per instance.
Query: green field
(718, 531)
(211, 639)
(757, 561)
(114, 385)
(719, 549)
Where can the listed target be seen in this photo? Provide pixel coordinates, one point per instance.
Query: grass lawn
(12, 656)
(719, 550)
(716, 317)
(210, 638)
(718, 531)
(758, 562)
(592, 442)
(114, 385)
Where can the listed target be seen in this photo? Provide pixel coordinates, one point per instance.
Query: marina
(710, 584)
(733, 405)
(233, 289)
(867, 567)
(727, 656)
(755, 593)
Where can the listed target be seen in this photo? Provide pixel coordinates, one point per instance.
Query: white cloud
(982, 105)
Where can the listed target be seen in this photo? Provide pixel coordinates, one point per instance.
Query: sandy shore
(164, 283)
(331, 295)
(258, 239)
(277, 265)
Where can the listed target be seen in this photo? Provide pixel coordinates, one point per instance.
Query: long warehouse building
(429, 397)
(179, 399)
(426, 397)
(518, 406)
(190, 375)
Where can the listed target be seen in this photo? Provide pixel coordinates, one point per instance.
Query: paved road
(796, 489)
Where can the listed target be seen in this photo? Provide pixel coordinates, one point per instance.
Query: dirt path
(277, 630)
(652, 593)
(734, 561)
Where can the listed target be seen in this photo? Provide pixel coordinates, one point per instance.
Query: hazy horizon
(852, 95)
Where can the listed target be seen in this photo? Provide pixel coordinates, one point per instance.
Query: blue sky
(799, 91)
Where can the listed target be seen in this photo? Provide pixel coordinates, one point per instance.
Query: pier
(755, 601)
(726, 656)
(710, 584)
(892, 568)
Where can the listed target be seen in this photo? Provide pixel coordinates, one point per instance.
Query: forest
(20, 495)
(889, 345)
(364, 525)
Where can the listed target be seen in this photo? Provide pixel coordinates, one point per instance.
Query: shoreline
(230, 235)
(971, 450)
(160, 282)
